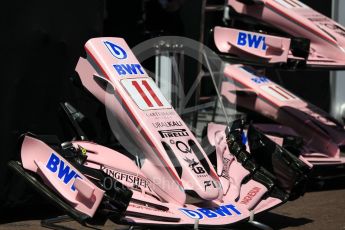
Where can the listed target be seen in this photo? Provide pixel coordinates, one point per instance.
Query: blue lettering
(124, 69)
(233, 208)
(242, 39)
(256, 80)
(64, 172)
(221, 211)
(264, 79)
(53, 163)
(264, 46)
(192, 214)
(139, 68)
(132, 68)
(252, 40)
(260, 80)
(244, 138)
(207, 212)
(119, 70)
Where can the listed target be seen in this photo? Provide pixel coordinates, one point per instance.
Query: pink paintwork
(257, 93)
(232, 173)
(131, 107)
(161, 184)
(267, 48)
(144, 190)
(80, 193)
(275, 132)
(292, 16)
(167, 174)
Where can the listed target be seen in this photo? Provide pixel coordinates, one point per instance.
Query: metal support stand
(338, 77)
(196, 224)
(52, 222)
(258, 224)
(169, 68)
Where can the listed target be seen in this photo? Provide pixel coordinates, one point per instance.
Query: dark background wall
(41, 43)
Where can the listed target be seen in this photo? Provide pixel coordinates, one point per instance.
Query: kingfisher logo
(115, 50)
(251, 40)
(62, 170)
(210, 213)
(126, 176)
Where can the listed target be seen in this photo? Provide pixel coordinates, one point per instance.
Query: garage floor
(318, 210)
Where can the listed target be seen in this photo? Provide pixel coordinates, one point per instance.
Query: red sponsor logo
(250, 195)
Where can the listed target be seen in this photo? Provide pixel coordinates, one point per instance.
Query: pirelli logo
(173, 133)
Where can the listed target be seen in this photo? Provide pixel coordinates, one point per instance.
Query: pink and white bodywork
(140, 105)
(250, 45)
(61, 176)
(322, 135)
(176, 182)
(327, 37)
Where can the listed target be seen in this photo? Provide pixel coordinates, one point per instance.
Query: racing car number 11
(145, 93)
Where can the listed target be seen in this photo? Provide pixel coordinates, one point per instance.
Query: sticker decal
(167, 124)
(116, 50)
(226, 167)
(183, 147)
(260, 80)
(251, 40)
(62, 169)
(278, 92)
(163, 114)
(128, 69)
(127, 177)
(173, 133)
(145, 94)
(251, 194)
(197, 169)
(210, 213)
(209, 183)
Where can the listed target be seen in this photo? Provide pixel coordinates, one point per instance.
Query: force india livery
(175, 183)
(171, 180)
(287, 32)
(322, 46)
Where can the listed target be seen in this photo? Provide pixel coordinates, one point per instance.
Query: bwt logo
(260, 80)
(120, 53)
(221, 211)
(251, 40)
(128, 69)
(64, 172)
(116, 50)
